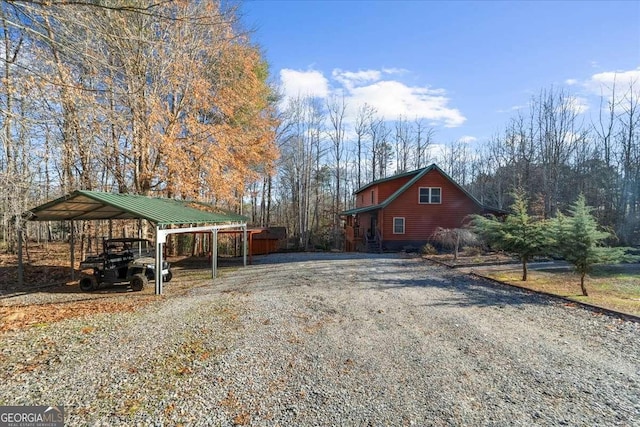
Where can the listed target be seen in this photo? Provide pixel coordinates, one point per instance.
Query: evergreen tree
(580, 240)
(520, 233)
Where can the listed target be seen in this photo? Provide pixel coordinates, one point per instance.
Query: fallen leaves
(23, 316)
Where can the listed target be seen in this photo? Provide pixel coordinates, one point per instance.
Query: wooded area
(173, 99)
(550, 149)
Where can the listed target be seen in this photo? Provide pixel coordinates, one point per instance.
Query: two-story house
(406, 209)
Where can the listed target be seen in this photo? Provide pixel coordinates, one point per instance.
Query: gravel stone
(333, 339)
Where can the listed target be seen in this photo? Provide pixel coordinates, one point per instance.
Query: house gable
(422, 219)
(401, 217)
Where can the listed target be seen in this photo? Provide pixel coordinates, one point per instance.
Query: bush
(429, 249)
(472, 250)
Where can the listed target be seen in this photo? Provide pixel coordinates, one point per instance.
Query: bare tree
(336, 110)
(423, 137)
(364, 117)
(402, 145)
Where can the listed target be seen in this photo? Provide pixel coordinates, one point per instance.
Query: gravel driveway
(333, 339)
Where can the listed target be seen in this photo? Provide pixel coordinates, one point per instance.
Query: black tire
(167, 277)
(88, 284)
(138, 282)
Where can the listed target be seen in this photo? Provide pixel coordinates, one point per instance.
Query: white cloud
(602, 84)
(622, 79)
(352, 78)
(393, 99)
(578, 104)
(303, 83)
(380, 89)
(394, 71)
(467, 139)
(512, 109)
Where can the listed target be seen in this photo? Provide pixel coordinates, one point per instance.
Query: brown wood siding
(386, 189)
(363, 198)
(421, 220)
(380, 192)
(364, 224)
(264, 246)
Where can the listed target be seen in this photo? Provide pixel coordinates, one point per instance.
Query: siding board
(422, 220)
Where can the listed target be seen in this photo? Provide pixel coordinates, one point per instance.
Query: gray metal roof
(95, 205)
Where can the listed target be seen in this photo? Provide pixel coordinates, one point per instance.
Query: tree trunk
(582, 286)
(457, 247)
(524, 269)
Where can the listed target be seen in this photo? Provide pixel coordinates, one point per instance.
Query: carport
(168, 216)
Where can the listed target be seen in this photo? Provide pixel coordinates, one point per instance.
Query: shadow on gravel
(467, 292)
(291, 257)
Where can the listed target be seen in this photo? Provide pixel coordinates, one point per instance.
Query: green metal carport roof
(95, 205)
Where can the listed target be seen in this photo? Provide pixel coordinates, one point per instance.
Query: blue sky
(465, 67)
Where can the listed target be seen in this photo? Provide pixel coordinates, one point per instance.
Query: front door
(373, 226)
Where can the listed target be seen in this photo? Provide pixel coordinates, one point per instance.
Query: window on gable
(430, 195)
(372, 194)
(398, 225)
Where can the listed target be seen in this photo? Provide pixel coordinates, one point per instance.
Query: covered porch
(363, 230)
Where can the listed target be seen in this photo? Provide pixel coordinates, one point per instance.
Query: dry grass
(465, 260)
(47, 271)
(40, 315)
(608, 288)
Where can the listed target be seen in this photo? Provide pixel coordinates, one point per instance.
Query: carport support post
(244, 246)
(158, 268)
(20, 262)
(72, 246)
(214, 254)
(140, 237)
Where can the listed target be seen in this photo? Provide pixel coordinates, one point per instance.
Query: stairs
(373, 245)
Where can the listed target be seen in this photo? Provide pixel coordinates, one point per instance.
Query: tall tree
(337, 109)
(423, 138)
(364, 116)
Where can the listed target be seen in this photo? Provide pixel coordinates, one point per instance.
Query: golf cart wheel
(167, 277)
(88, 284)
(138, 282)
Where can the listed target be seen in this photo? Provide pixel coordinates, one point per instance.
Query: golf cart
(123, 260)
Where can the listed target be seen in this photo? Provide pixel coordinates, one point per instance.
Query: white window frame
(429, 195)
(403, 224)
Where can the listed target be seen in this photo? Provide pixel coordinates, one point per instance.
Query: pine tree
(580, 240)
(520, 233)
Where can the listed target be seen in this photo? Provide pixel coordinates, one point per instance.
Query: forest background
(174, 99)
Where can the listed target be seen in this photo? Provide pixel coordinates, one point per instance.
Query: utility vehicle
(123, 261)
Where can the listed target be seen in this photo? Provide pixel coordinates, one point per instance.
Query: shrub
(429, 249)
(472, 250)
